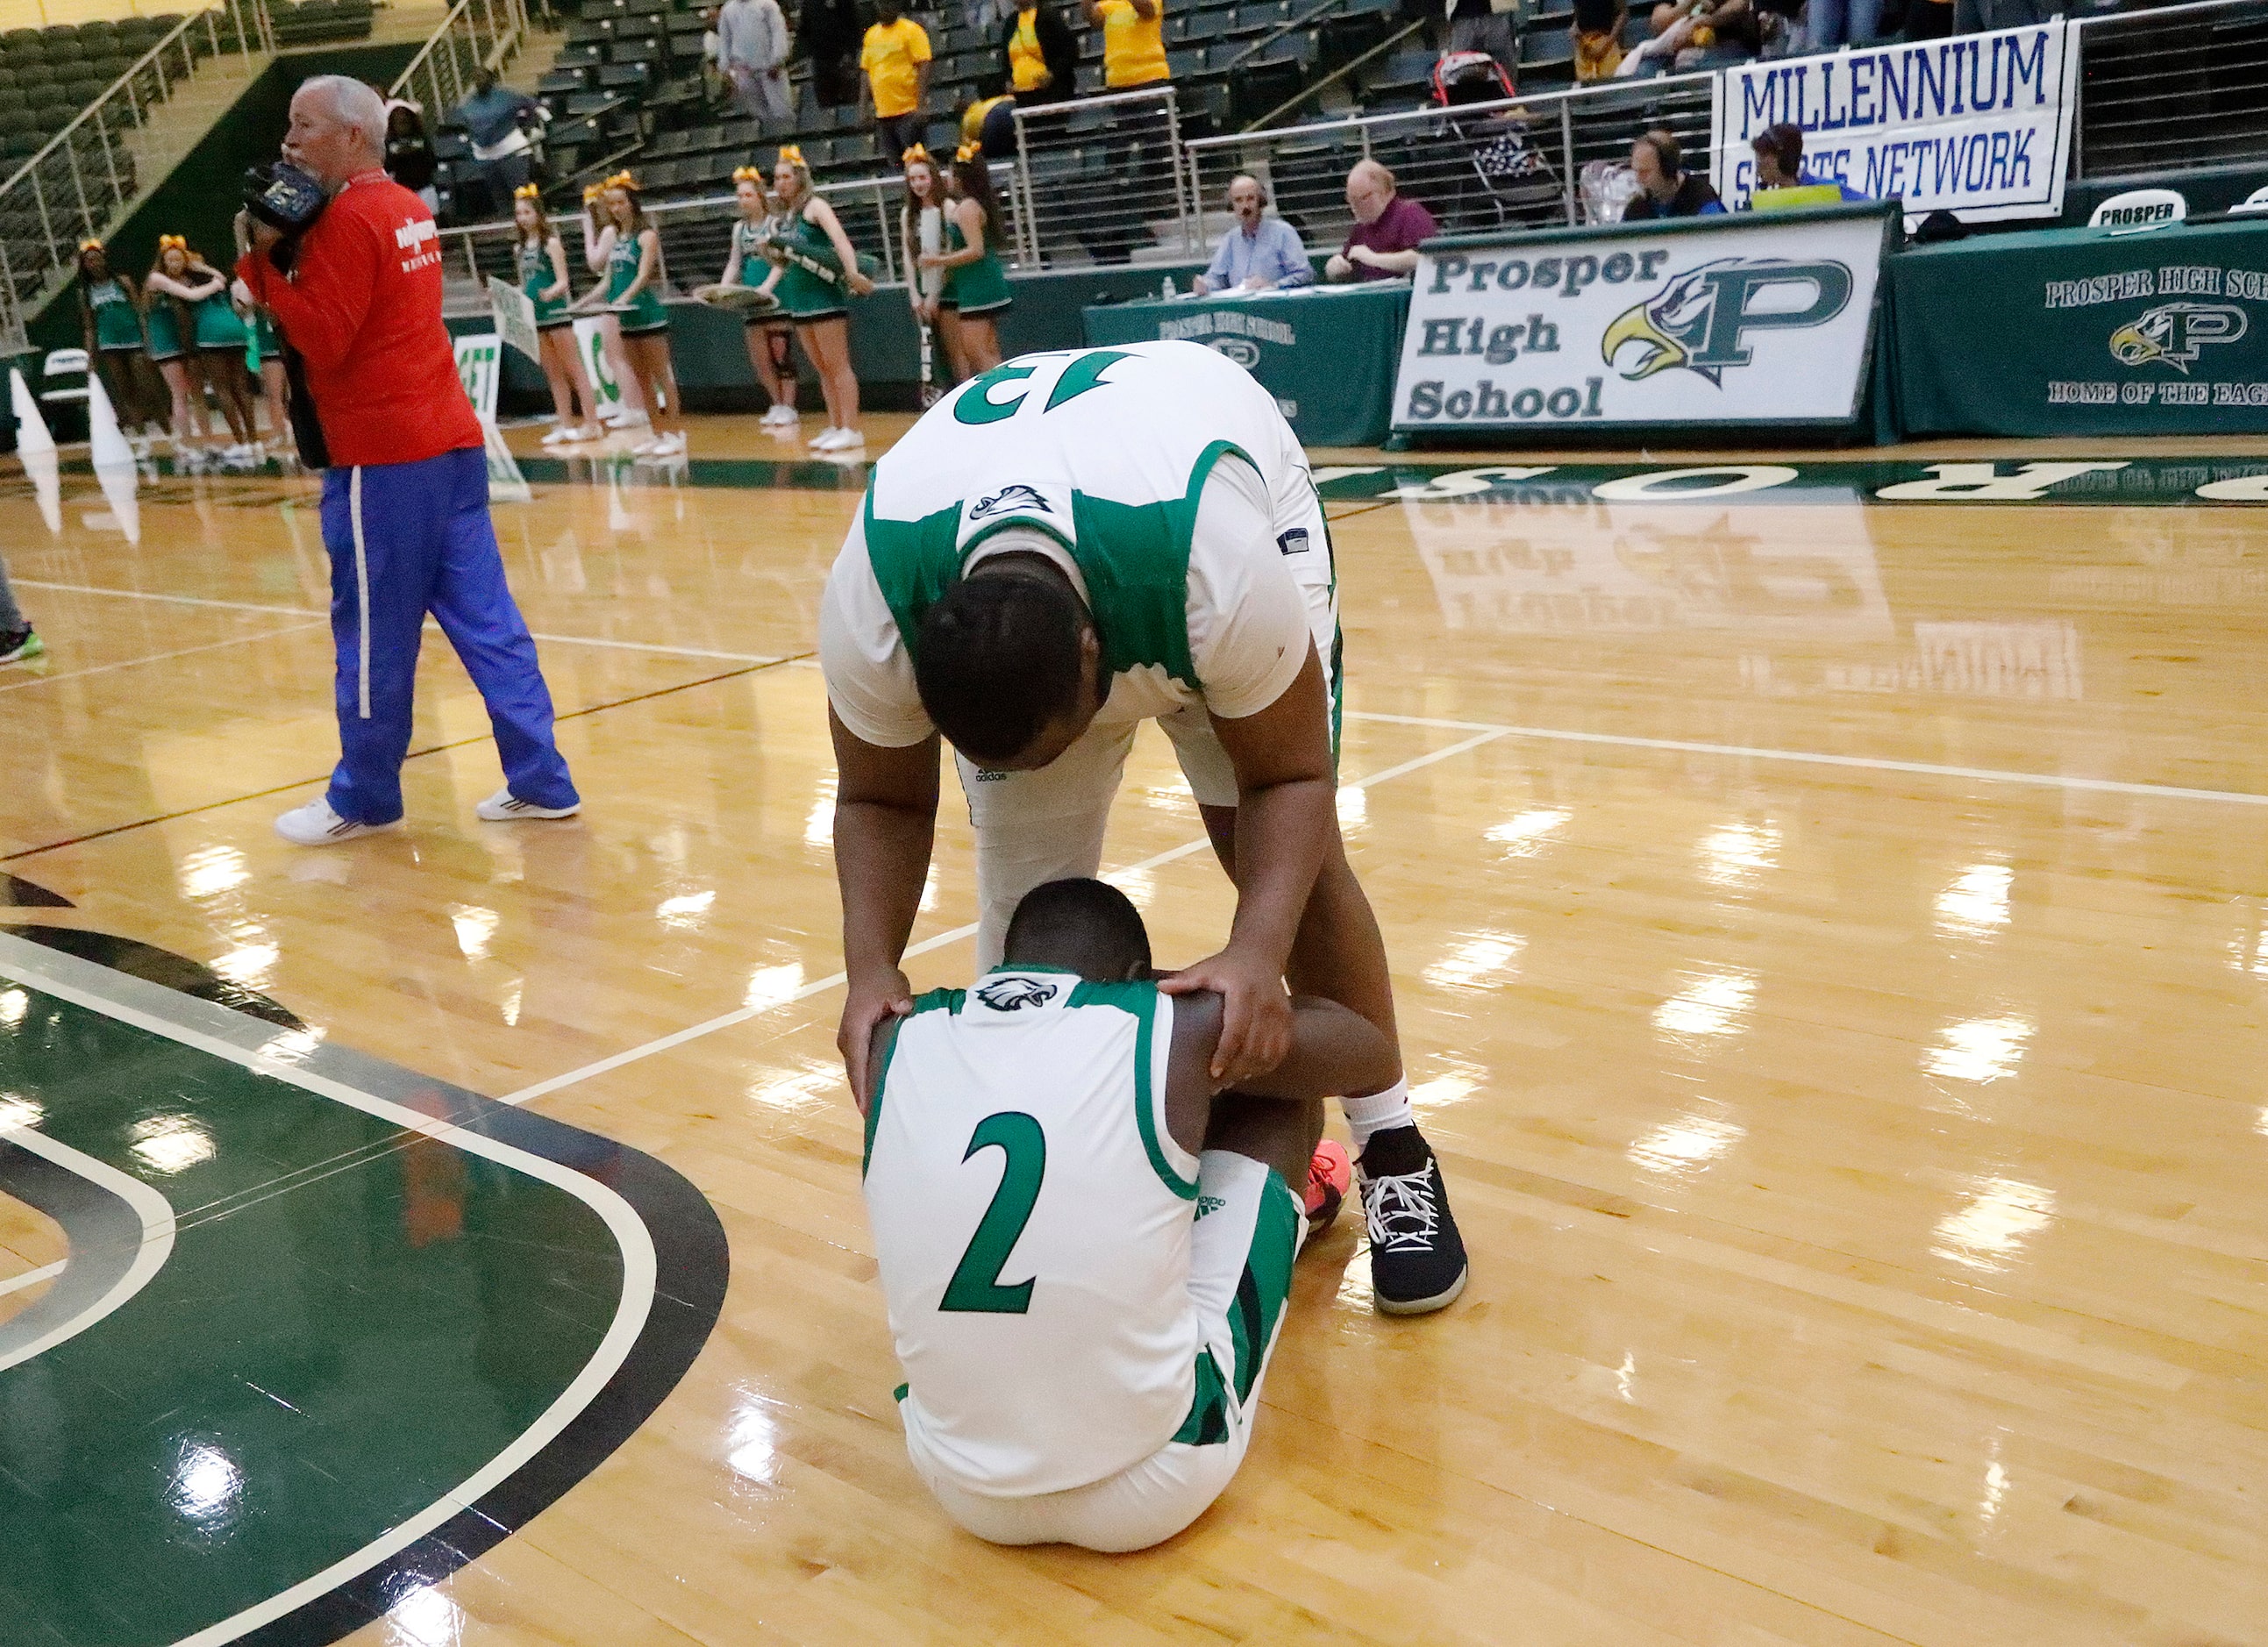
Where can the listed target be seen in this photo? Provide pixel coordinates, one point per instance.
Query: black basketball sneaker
(1417, 1257)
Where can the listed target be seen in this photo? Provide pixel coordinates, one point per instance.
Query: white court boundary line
(742, 1014)
(26, 963)
(309, 612)
(1482, 732)
(156, 657)
(154, 1211)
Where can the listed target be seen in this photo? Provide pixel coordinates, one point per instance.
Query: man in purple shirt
(1387, 229)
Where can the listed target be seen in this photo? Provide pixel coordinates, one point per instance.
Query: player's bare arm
(1287, 823)
(1331, 1050)
(885, 820)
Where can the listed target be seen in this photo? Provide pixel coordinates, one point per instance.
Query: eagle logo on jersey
(1015, 497)
(1013, 994)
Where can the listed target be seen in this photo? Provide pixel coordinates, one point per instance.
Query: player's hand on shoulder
(1256, 1012)
(869, 1003)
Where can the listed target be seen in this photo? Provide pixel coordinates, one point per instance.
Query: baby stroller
(1506, 180)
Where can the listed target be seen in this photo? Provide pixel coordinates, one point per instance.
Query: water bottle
(1166, 288)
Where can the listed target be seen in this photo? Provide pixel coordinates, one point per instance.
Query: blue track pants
(405, 539)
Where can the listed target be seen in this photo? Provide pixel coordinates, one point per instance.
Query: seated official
(1261, 254)
(1779, 163)
(1085, 1317)
(1666, 189)
(1389, 228)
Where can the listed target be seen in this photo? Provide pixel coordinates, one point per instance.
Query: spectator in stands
(1133, 41)
(895, 58)
(1779, 163)
(714, 87)
(496, 118)
(976, 293)
(1489, 25)
(409, 158)
(1388, 228)
(1981, 16)
(110, 325)
(1829, 24)
(989, 123)
(1666, 189)
(752, 51)
(828, 32)
(1260, 254)
(1597, 30)
(1040, 56)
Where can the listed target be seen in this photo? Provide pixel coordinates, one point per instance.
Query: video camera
(283, 197)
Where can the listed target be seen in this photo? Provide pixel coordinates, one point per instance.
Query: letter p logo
(1735, 292)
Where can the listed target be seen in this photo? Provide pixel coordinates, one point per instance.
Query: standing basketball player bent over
(1085, 1318)
(1065, 547)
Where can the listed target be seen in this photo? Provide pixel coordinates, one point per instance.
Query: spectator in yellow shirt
(1133, 40)
(895, 57)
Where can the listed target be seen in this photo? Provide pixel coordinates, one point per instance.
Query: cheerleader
(169, 349)
(110, 320)
(770, 337)
(541, 261)
(599, 236)
(923, 193)
(822, 264)
(633, 289)
(976, 285)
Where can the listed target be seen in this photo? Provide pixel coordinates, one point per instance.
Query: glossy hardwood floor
(1832, 943)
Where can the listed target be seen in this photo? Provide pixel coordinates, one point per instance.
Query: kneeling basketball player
(1085, 1246)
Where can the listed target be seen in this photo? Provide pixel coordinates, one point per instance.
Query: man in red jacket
(406, 497)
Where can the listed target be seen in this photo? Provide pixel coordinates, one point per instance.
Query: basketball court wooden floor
(1832, 933)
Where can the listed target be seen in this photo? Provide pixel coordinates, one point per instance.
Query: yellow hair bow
(967, 152)
(791, 154)
(919, 151)
(592, 191)
(527, 191)
(90, 246)
(747, 174)
(167, 242)
(622, 180)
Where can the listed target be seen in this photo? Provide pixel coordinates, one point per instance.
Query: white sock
(1380, 1112)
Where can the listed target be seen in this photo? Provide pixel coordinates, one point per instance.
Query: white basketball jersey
(1032, 1221)
(1133, 424)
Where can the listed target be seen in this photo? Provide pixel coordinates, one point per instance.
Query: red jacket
(363, 306)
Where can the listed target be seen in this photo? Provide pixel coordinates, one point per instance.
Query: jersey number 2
(976, 1286)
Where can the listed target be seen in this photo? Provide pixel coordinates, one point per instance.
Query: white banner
(590, 337)
(480, 363)
(514, 315)
(1711, 320)
(1979, 124)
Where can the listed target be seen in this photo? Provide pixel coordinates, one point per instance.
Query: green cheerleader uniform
(808, 297)
(218, 327)
(263, 328)
(536, 278)
(117, 325)
(645, 313)
(753, 243)
(977, 288)
(165, 328)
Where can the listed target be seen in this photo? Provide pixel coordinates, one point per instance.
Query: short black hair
(1087, 925)
(996, 660)
(1784, 144)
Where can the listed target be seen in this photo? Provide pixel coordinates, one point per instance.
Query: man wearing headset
(1665, 189)
(1261, 254)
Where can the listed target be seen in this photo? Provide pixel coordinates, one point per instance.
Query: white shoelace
(1400, 1209)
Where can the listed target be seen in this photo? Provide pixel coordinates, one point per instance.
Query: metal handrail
(502, 40)
(1331, 79)
(254, 33)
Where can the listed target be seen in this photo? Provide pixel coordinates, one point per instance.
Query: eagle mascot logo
(1013, 995)
(1669, 327)
(2170, 334)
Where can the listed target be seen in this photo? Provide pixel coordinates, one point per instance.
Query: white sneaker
(670, 445)
(823, 439)
(503, 806)
(315, 824)
(627, 420)
(560, 436)
(782, 417)
(843, 440)
(648, 448)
